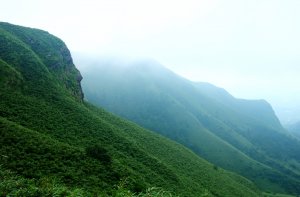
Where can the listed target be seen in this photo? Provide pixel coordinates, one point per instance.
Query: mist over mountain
(243, 136)
(288, 113)
(53, 143)
(150, 98)
(294, 128)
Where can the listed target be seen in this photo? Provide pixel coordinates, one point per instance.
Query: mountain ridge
(221, 130)
(49, 134)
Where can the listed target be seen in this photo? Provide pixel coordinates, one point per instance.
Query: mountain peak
(50, 55)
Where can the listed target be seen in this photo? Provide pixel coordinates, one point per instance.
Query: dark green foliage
(239, 135)
(15, 185)
(98, 153)
(48, 133)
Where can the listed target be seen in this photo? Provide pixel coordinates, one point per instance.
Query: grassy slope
(48, 132)
(213, 124)
(256, 121)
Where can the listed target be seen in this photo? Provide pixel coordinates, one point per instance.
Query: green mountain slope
(52, 142)
(239, 135)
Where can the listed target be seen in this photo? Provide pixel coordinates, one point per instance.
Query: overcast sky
(249, 47)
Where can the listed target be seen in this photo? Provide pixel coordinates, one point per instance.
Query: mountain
(54, 143)
(294, 129)
(243, 136)
(288, 112)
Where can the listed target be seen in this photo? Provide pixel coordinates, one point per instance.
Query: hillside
(239, 135)
(53, 142)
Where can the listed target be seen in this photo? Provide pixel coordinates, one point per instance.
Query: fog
(250, 48)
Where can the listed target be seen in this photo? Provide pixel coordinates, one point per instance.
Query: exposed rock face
(80, 92)
(69, 71)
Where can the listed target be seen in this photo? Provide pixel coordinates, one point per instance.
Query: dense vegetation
(239, 135)
(15, 185)
(55, 144)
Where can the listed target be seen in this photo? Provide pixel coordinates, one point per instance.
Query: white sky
(249, 47)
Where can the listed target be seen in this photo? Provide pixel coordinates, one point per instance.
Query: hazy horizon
(250, 48)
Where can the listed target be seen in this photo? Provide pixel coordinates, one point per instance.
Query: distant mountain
(55, 144)
(288, 113)
(294, 129)
(243, 136)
